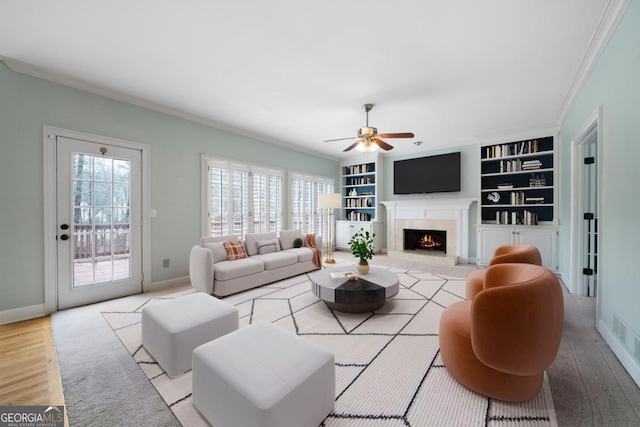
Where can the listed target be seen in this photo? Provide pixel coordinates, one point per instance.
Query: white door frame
(50, 135)
(593, 124)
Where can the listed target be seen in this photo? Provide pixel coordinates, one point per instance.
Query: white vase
(363, 267)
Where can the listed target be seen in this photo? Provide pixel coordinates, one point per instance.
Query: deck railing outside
(100, 240)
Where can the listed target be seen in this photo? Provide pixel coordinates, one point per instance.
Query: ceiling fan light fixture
(367, 146)
(369, 139)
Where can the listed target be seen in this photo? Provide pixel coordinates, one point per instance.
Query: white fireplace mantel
(444, 209)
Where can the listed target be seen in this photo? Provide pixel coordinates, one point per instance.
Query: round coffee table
(365, 294)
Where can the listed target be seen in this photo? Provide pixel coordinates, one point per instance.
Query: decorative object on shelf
(368, 139)
(361, 245)
(329, 201)
(493, 197)
(537, 181)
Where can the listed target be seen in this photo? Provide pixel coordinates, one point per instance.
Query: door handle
(64, 237)
(64, 227)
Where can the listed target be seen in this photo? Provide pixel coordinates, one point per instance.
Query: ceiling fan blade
(397, 135)
(340, 139)
(382, 144)
(352, 146)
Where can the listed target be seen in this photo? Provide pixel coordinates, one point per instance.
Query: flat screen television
(431, 174)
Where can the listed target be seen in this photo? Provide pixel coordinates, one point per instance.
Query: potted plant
(361, 245)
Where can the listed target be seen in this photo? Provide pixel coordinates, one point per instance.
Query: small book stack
(531, 164)
(534, 200)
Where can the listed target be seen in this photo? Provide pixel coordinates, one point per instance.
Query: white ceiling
(297, 72)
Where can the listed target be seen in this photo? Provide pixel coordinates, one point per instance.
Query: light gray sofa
(270, 258)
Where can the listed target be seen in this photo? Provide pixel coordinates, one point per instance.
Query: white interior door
(99, 236)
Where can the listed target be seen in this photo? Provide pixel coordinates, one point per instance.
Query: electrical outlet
(165, 263)
(637, 349)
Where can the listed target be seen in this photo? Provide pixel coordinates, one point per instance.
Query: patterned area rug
(388, 366)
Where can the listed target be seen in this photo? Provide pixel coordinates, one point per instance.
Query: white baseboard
(621, 352)
(22, 313)
(164, 284)
(38, 310)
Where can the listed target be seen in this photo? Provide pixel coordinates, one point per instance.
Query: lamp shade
(329, 200)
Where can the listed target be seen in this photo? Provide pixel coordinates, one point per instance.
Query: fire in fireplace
(426, 240)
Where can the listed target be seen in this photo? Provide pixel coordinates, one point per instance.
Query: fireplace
(425, 240)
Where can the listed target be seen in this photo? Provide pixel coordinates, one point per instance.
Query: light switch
(153, 213)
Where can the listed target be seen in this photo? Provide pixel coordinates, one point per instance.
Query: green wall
(27, 104)
(614, 84)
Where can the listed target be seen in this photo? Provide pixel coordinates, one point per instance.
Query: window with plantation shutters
(305, 213)
(240, 198)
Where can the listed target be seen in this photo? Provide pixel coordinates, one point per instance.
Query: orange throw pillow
(235, 250)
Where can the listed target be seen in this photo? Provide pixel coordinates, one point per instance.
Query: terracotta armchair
(527, 254)
(500, 343)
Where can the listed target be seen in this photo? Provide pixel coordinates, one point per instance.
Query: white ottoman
(172, 329)
(263, 376)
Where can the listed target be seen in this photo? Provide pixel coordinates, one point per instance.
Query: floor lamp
(329, 201)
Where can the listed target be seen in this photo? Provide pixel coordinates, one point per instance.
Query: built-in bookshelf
(517, 182)
(359, 191)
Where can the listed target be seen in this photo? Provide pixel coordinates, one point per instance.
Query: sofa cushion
(218, 239)
(276, 259)
(235, 250)
(287, 238)
(303, 254)
(251, 238)
(218, 250)
(268, 246)
(228, 270)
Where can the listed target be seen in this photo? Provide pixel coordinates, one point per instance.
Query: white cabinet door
(489, 239)
(343, 234)
(545, 240)
(346, 229)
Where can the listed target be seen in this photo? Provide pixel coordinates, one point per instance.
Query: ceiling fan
(368, 137)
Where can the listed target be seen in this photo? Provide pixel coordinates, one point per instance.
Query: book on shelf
(511, 149)
(505, 186)
(531, 164)
(510, 166)
(517, 197)
(534, 200)
(516, 218)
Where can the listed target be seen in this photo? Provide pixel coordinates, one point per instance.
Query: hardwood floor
(29, 373)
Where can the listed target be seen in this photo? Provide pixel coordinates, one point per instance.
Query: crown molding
(52, 76)
(516, 134)
(613, 13)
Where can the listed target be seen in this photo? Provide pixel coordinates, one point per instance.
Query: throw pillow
(287, 237)
(297, 243)
(235, 250)
(218, 250)
(268, 246)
